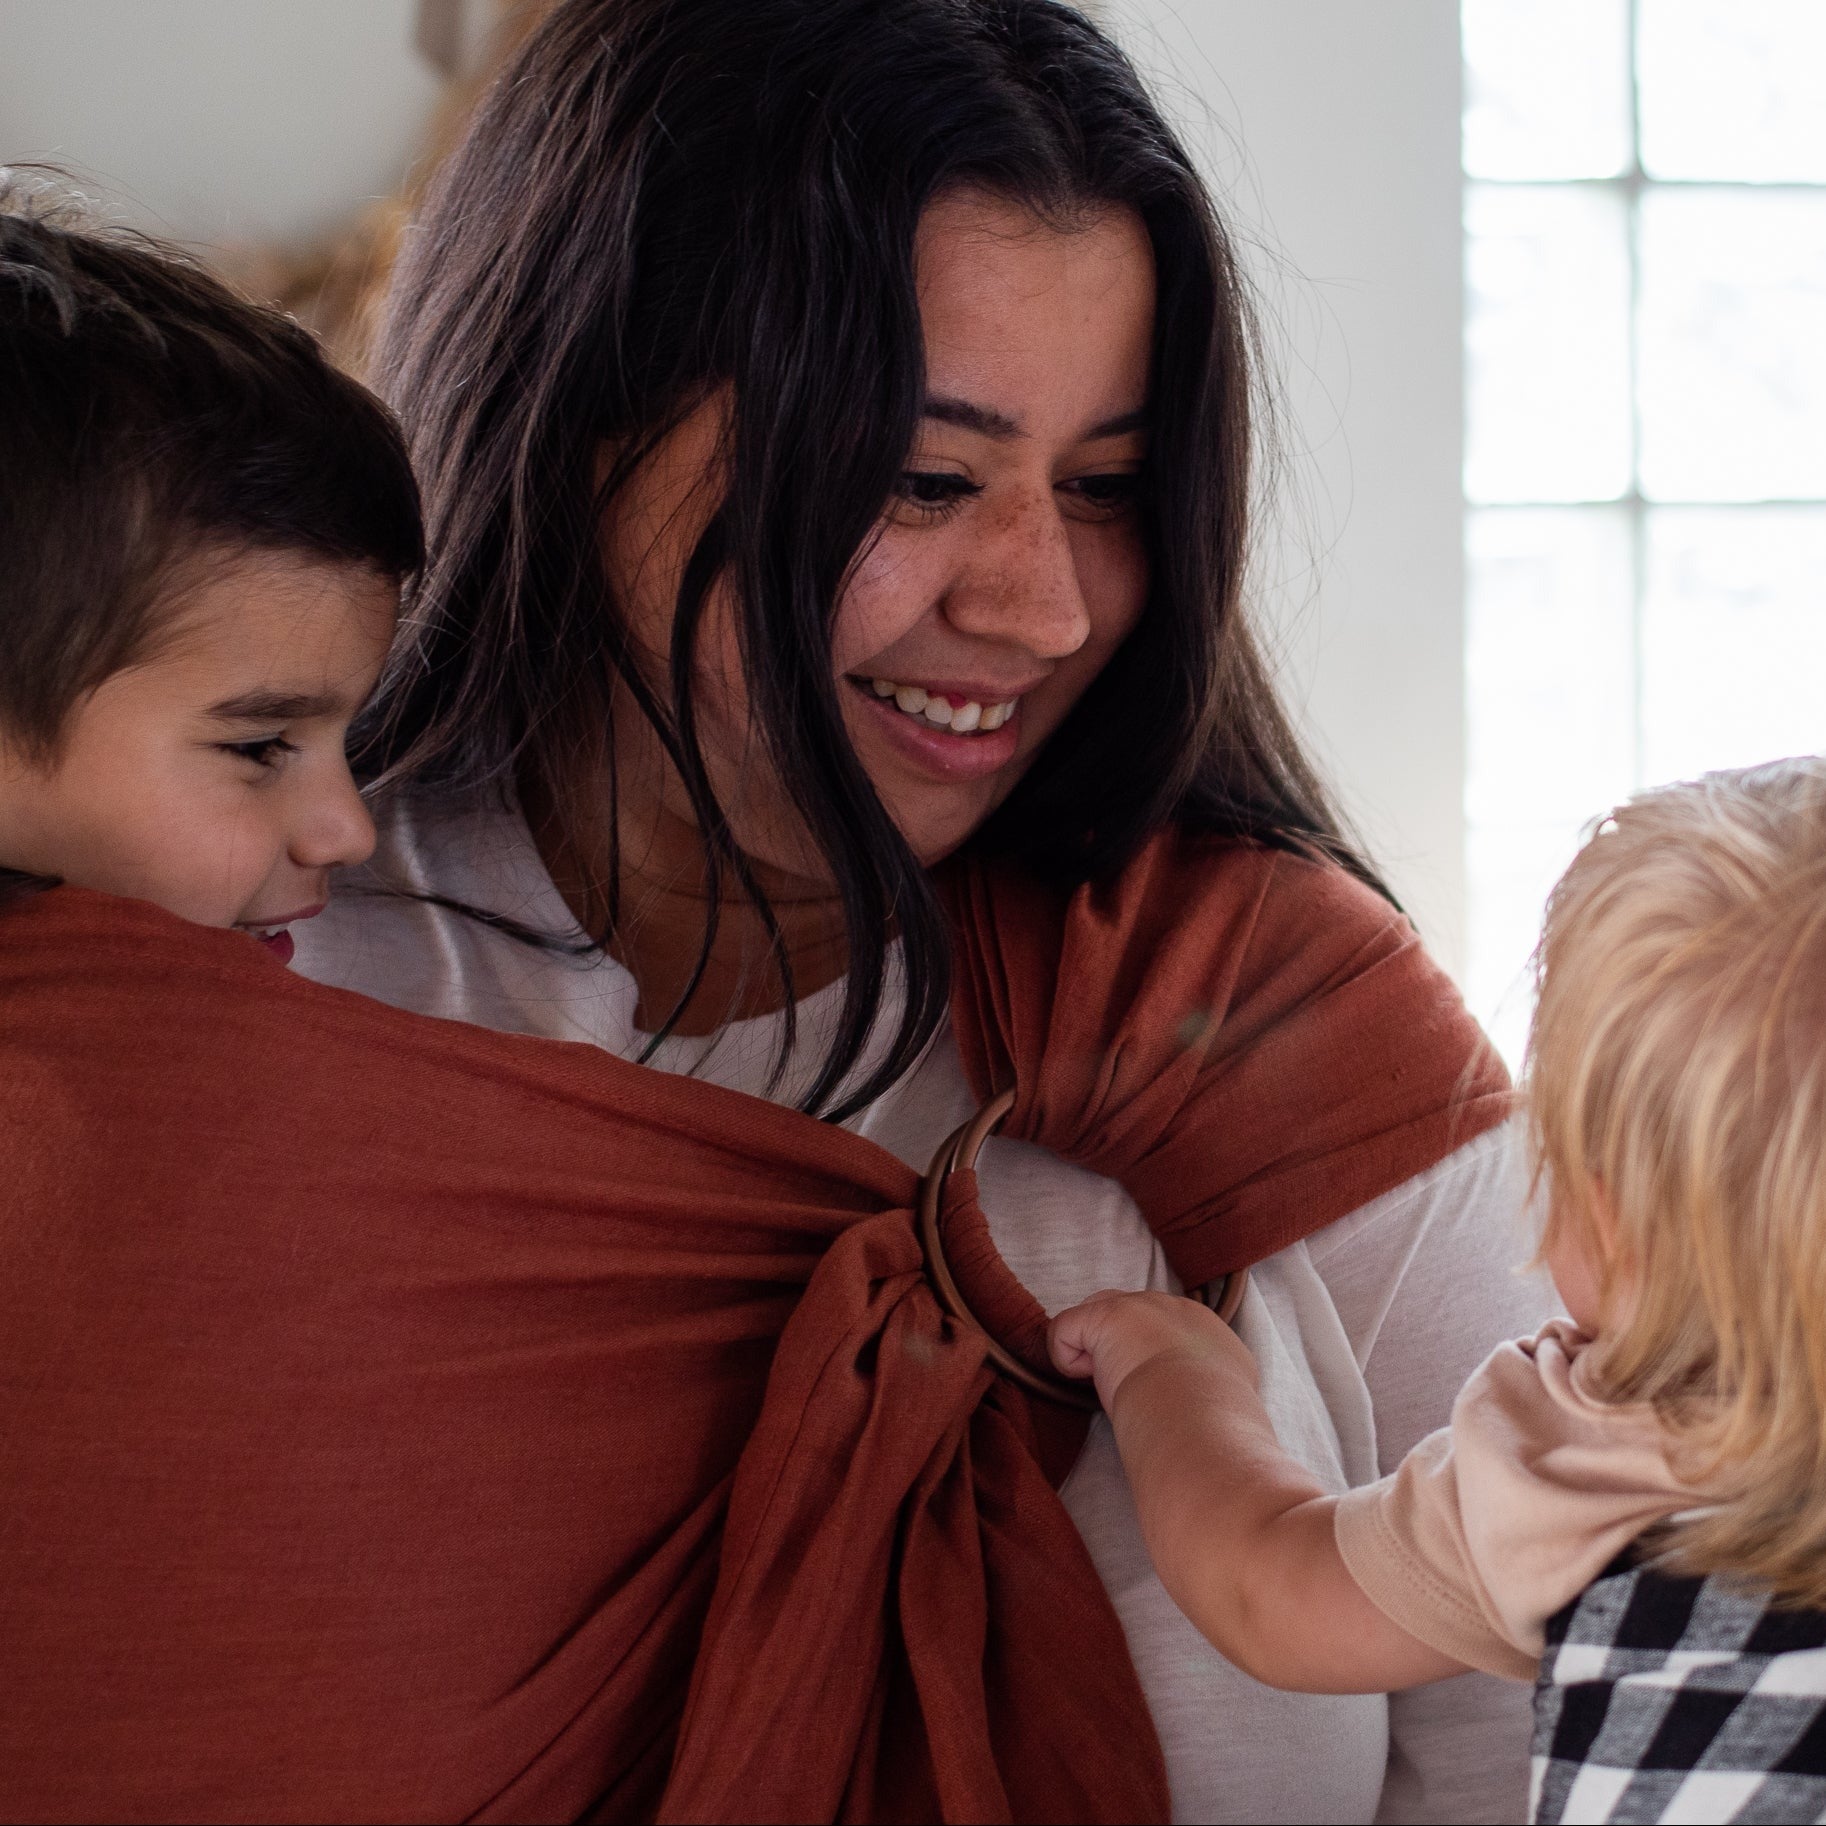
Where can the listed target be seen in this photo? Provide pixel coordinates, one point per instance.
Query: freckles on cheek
(887, 593)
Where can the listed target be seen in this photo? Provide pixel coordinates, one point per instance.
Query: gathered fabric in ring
(958, 1153)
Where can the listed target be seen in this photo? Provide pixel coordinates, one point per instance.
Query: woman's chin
(934, 831)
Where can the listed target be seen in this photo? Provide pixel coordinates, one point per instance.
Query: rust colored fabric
(1252, 1043)
(407, 1421)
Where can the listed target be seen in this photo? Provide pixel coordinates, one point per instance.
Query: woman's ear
(660, 495)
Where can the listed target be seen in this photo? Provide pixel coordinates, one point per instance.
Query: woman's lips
(935, 750)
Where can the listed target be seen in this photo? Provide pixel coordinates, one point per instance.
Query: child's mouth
(278, 942)
(274, 933)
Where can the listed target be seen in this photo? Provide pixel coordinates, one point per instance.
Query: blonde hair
(1677, 1087)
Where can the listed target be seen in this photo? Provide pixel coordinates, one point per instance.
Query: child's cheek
(1575, 1277)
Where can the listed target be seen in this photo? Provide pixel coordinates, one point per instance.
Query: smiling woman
(690, 317)
(1009, 564)
(835, 424)
(1013, 562)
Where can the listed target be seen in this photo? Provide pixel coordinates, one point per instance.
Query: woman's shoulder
(456, 915)
(1275, 897)
(462, 846)
(1285, 900)
(1222, 1016)
(1264, 932)
(1226, 945)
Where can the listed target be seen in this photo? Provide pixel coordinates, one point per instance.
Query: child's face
(211, 778)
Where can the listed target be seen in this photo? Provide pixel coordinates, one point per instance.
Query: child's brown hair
(1677, 1081)
(149, 417)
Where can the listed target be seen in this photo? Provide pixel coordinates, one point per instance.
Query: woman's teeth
(960, 719)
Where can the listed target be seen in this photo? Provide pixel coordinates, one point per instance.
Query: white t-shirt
(1363, 1332)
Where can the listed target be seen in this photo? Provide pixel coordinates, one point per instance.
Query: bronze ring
(1229, 1291)
(961, 1150)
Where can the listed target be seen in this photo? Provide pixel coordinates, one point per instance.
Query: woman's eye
(1105, 497)
(267, 752)
(935, 492)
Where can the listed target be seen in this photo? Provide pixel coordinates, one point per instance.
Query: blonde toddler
(1629, 1507)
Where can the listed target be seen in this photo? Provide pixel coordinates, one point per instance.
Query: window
(1645, 457)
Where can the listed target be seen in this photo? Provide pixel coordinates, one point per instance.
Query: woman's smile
(949, 730)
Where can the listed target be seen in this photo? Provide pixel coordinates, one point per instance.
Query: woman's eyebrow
(275, 707)
(986, 421)
(1121, 425)
(969, 417)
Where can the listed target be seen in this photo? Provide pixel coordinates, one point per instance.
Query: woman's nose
(1018, 581)
(335, 830)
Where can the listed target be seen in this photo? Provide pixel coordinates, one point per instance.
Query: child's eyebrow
(275, 707)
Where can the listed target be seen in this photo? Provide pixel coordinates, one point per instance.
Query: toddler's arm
(1241, 1535)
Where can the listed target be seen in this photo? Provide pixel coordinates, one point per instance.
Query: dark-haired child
(204, 527)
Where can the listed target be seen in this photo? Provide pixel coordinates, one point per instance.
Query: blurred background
(1544, 286)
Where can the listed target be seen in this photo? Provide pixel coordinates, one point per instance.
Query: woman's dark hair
(147, 414)
(661, 198)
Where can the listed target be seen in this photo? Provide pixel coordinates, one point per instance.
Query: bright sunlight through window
(1645, 461)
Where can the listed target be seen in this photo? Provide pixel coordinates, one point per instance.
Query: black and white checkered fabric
(1676, 1699)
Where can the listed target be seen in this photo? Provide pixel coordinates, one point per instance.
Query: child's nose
(337, 831)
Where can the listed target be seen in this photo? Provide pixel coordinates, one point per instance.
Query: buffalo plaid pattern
(1665, 1698)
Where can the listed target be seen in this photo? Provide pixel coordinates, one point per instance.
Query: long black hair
(663, 198)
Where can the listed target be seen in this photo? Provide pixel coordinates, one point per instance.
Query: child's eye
(268, 751)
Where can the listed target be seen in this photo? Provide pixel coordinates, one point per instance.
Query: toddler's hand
(1112, 1335)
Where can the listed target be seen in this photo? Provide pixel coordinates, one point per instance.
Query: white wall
(1329, 129)
(218, 121)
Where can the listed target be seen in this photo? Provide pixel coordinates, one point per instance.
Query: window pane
(1546, 344)
(1550, 670)
(1546, 88)
(1733, 89)
(1733, 344)
(1512, 869)
(1549, 663)
(1733, 637)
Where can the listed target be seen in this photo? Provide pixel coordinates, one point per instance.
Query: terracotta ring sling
(405, 1420)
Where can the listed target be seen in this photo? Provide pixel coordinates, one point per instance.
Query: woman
(835, 424)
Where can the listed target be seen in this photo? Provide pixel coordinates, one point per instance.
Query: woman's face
(1007, 570)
